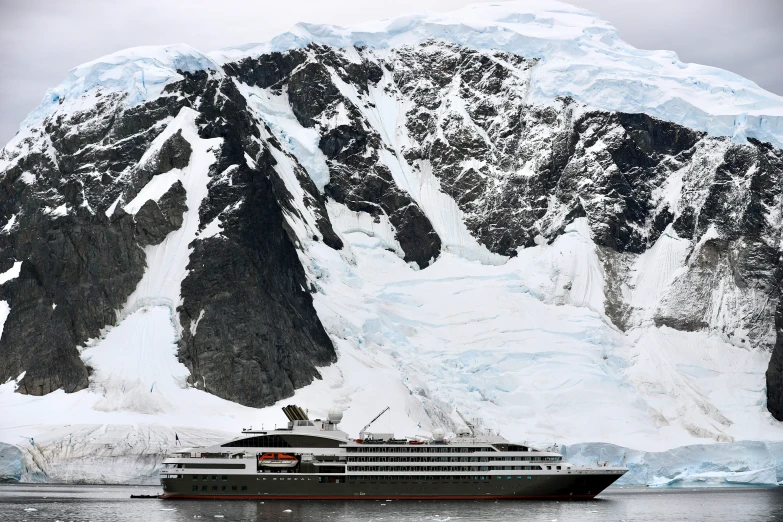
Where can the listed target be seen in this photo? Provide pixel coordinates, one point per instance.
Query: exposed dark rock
(251, 334)
(76, 272)
(259, 337)
(87, 265)
(266, 71)
(311, 91)
(356, 180)
(174, 153)
(173, 204)
(154, 220)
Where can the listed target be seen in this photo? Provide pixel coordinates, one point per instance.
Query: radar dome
(437, 434)
(463, 431)
(335, 415)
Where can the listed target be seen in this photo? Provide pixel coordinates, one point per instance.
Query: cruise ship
(313, 459)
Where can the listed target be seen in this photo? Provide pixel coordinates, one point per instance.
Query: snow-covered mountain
(505, 209)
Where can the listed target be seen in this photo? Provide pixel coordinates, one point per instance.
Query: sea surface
(113, 503)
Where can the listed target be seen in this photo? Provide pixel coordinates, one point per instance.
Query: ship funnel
(294, 413)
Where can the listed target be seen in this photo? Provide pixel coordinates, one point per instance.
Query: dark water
(112, 503)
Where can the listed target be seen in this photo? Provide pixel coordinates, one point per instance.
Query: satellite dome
(462, 431)
(437, 434)
(335, 415)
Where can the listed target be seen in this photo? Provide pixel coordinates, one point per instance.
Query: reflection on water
(113, 503)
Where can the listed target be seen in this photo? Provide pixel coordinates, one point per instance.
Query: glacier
(522, 344)
(505, 344)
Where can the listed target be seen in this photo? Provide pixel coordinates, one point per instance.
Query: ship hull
(555, 486)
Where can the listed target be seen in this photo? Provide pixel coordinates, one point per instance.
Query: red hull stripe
(375, 497)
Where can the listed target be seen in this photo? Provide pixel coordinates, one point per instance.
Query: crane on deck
(364, 430)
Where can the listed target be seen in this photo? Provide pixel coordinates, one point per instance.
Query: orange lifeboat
(277, 460)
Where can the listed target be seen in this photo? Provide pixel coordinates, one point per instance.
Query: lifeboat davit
(277, 460)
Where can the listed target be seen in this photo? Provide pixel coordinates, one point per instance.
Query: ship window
(203, 477)
(261, 441)
(558, 467)
(519, 478)
(233, 488)
(530, 478)
(224, 488)
(214, 477)
(214, 488)
(225, 477)
(195, 477)
(194, 488)
(244, 488)
(549, 467)
(204, 488)
(214, 466)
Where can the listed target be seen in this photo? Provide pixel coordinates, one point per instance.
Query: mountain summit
(504, 209)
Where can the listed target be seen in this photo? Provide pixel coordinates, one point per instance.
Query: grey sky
(40, 40)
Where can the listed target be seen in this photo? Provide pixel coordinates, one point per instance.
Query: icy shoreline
(739, 464)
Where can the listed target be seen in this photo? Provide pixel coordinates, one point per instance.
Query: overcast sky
(40, 40)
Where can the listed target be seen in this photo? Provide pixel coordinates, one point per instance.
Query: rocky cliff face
(82, 247)
(236, 167)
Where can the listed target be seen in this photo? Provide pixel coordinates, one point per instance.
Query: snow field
(491, 341)
(654, 270)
